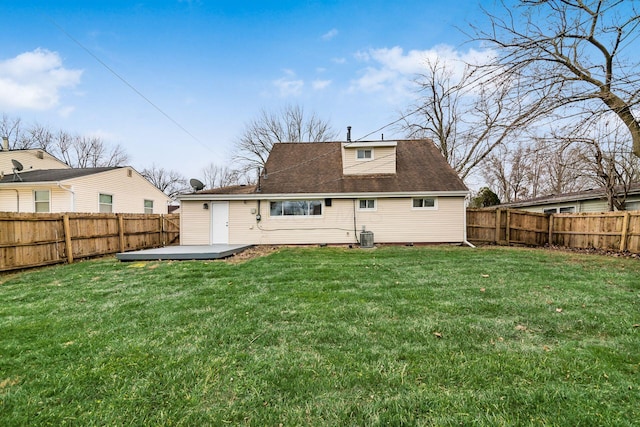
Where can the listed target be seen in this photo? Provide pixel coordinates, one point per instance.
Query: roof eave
(29, 183)
(285, 196)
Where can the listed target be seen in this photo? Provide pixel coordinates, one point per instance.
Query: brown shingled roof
(52, 175)
(232, 189)
(317, 168)
(307, 168)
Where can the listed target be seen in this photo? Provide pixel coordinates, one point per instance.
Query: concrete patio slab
(192, 252)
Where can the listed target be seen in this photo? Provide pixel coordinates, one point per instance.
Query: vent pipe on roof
(259, 188)
(348, 133)
(5, 143)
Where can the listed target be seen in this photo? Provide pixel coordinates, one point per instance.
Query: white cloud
(391, 70)
(33, 80)
(65, 112)
(289, 85)
(102, 134)
(339, 60)
(320, 84)
(332, 33)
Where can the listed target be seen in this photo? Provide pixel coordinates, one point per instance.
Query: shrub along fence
(617, 231)
(32, 240)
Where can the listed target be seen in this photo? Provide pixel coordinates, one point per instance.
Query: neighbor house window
(424, 203)
(106, 203)
(42, 201)
(296, 208)
(148, 206)
(632, 206)
(566, 209)
(364, 154)
(367, 204)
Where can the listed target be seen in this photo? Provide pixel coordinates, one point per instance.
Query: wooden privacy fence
(618, 231)
(32, 240)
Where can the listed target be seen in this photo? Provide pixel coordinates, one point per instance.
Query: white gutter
(289, 196)
(73, 195)
(17, 199)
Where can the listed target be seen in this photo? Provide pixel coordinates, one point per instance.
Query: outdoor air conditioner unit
(366, 239)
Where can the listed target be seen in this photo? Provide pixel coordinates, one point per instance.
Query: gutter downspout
(73, 195)
(465, 241)
(17, 200)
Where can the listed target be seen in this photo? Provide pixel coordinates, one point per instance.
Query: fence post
(67, 238)
(498, 220)
(625, 232)
(550, 229)
(121, 231)
(162, 233)
(508, 226)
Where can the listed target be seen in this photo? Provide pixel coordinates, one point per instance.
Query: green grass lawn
(326, 336)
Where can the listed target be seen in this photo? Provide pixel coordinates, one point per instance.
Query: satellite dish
(17, 167)
(196, 184)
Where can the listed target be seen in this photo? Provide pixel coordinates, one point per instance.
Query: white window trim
(35, 202)
(100, 203)
(144, 207)
(365, 159)
(556, 209)
(373, 209)
(304, 217)
(427, 208)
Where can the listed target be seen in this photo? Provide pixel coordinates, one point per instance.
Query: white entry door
(219, 222)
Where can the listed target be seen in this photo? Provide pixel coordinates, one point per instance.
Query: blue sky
(211, 66)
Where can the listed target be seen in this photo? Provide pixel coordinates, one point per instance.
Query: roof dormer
(369, 157)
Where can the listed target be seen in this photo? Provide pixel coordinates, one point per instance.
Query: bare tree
(91, 152)
(84, 151)
(38, 136)
(75, 150)
(216, 176)
(467, 115)
(171, 182)
(541, 168)
(290, 124)
(502, 174)
(11, 128)
(563, 167)
(576, 50)
(606, 159)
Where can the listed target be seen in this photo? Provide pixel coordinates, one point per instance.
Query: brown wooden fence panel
(31, 240)
(501, 226)
(619, 231)
(171, 229)
(141, 231)
(607, 230)
(93, 234)
(528, 228)
(633, 233)
(482, 225)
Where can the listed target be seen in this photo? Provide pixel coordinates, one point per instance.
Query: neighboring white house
(329, 192)
(593, 200)
(110, 189)
(28, 160)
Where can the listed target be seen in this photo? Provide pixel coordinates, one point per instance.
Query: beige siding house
(29, 160)
(330, 192)
(110, 189)
(594, 200)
